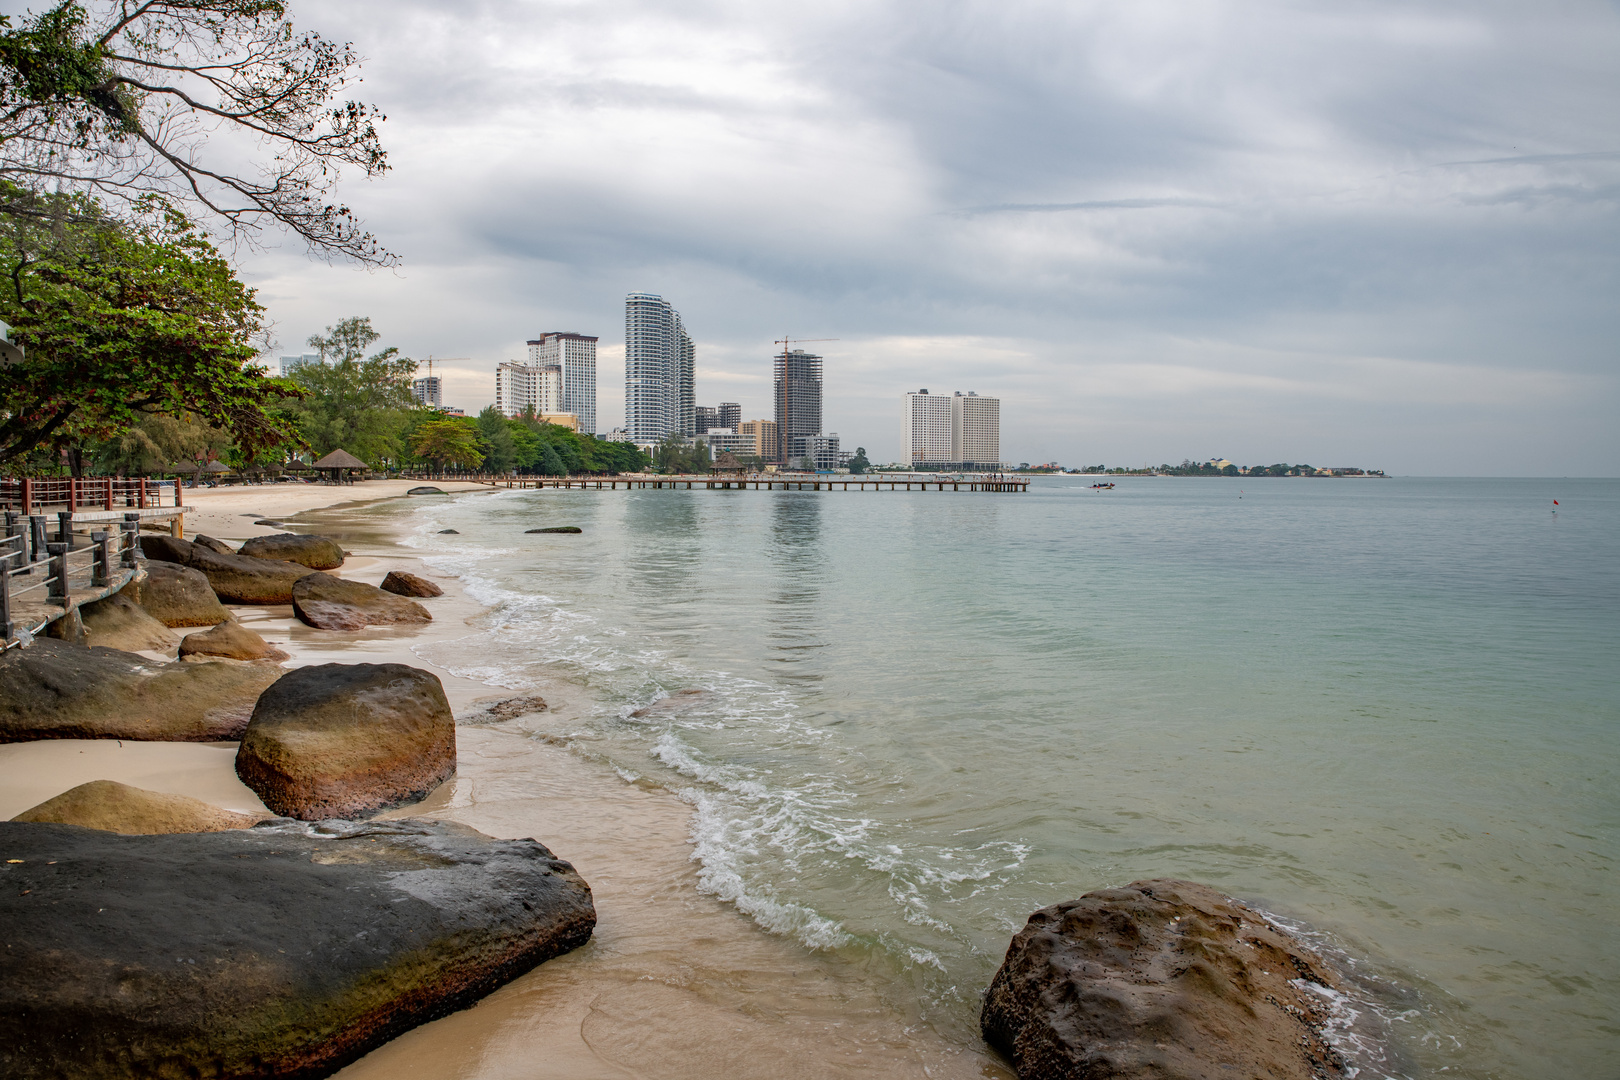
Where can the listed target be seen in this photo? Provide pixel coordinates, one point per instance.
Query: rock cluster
(315, 552)
(235, 579)
(334, 603)
(557, 529)
(348, 740)
(1160, 980)
(282, 950)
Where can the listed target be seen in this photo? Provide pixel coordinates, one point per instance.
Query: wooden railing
(43, 579)
(28, 496)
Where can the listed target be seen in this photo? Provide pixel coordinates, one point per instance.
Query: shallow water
(1384, 709)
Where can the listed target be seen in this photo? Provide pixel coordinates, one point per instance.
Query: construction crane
(785, 342)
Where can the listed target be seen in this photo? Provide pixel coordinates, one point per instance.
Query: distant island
(1212, 467)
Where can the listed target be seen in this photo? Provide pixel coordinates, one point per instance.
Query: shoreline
(674, 983)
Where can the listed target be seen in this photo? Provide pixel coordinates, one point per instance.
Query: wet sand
(674, 983)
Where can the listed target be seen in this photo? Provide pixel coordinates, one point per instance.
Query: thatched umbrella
(726, 462)
(338, 461)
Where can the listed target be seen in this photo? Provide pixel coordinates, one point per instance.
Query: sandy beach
(673, 984)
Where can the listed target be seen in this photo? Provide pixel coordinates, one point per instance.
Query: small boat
(1102, 487)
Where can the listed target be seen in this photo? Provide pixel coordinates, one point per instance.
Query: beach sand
(673, 984)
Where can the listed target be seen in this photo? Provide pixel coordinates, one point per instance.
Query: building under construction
(798, 401)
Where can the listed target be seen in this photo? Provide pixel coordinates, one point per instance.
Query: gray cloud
(1159, 229)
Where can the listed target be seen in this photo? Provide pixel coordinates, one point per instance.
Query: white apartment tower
(925, 429)
(428, 390)
(574, 355)
(961, 431)
(520, 387)
(659, 364)
(975, 431)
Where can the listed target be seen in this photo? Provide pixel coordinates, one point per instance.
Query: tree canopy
(123, 320)
(352, 401)
(117, 99)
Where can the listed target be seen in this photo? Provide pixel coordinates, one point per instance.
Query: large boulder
(54, 690)
(333, 603)
(315, 552)
(403, 583)
(119, 808)
(348, 740)
(287, 950)
(177, 595)
(230, 640)
(424, 491)
(1161, 980)
(242, 579)
(165, 548)
(118, 622)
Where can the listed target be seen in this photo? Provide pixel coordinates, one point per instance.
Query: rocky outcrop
(494, 712)
(424, 491)
(315, 552)
(213, 545)
(118, 622)
(449, 532)
(286, 950)
(133, 811)
(54, 690)
(402, 583)
(176, 596)
(348, 740)
(557, 529)
(242, 579)
(332, 603)
(230, 640)
(166, 548)
(1160, 980)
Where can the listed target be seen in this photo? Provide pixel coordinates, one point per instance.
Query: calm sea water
(1384, 710)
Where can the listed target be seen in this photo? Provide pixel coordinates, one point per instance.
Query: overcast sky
(1353, 233)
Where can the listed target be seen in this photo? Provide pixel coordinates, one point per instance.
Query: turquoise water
(1386, 710)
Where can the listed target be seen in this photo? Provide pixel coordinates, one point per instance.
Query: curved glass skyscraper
(659, 360)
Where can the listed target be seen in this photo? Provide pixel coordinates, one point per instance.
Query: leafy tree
(121, 321)
(360, 403)
(116, 98)
(448, 442)
(858, 463)
(156, 442)
(500, 449)
(550, 463)
(674, 456)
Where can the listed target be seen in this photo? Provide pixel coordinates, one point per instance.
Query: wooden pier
(756, 482)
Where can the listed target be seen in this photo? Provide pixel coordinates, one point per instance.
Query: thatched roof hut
(726, 462)
(338, 463)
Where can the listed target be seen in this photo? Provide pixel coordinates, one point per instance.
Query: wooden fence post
(57, 585)
(109, 493)
(132, 539)
(27, 496)
(101, 565)
(36, 534)
(7, 546)
(64, 528)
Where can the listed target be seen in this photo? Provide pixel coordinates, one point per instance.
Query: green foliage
(157, 442)
(528, 445)
(674, 456)
(858, 464)
(355, 402)
(121, 321)
(449, 441)
(499, 445)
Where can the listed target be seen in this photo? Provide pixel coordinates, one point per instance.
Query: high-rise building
(523, 387)
(821, 452)
(767, 446)
(729, 414)
(575, 356)
(975, 431)
(798, 400)
(428, 390)
(290, 364)
(706, 418)
(960, 431)
(925, 429)
(659, 366)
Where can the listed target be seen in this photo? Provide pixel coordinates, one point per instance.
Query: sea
(1384, 711)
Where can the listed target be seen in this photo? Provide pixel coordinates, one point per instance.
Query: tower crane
(785, 342)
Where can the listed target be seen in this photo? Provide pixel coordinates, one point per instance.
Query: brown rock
(315, 552)
(211, 544)
(54, 690)
(348, 740)
(1160, 980)
(166, 548)
(492, 712)
(176, 595)
(133, 811)
(405, 584)
(118, 622)
(231, 640)
(288, 950)
(332, 603)
(241, 579)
